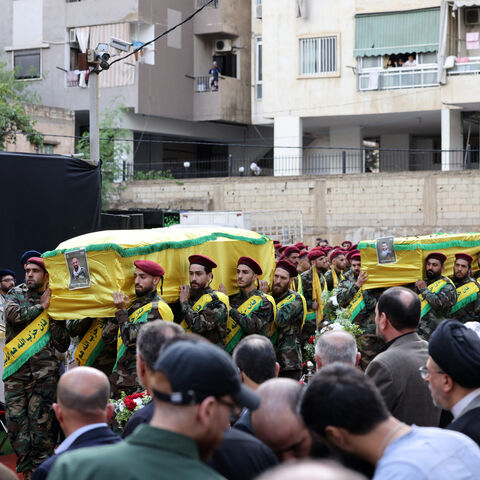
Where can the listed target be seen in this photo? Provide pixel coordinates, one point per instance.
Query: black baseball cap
(197, 370)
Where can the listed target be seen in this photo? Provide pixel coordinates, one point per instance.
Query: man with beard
(313, 283)
(7, 282)
(31, 368)
(346, 411)
(467, 308)
(124, 327)
(335, 273)
(251, 310)
(438, 295)
(204, 311)
(196, 388)
(291, 312)
(78, 272)
(291, 254)
(360, 304)
(303, 262)
(395, 369)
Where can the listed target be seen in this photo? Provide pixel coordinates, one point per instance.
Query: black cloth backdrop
(45, 200)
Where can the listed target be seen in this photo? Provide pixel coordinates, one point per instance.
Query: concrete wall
(356, 207)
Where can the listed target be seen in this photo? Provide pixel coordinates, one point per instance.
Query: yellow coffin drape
(411, 253)
(111, 255)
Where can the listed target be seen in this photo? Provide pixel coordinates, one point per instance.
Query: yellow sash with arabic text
(356, 305)
(91, 345)
(200, 304)
(466, 294)
(434, 287)
(27, 343)
(290, 298)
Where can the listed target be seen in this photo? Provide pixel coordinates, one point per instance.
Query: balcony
(470, 66)
(395, 78)
(220, 17)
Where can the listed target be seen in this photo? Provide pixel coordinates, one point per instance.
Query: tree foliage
(14, 95)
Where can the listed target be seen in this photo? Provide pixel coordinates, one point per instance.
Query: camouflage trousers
(369, 347)
(30, 418)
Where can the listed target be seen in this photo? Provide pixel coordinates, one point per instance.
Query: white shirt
(460, 406)
(65, 445)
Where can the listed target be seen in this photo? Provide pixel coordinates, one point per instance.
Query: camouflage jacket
(346, 290)
(289, 324)
(329, 279)
(211, 321)
(106, 360)
(125, 373)
(22, 306)
(471, 311)
(307, 285)
(440, 303)
(259, 320)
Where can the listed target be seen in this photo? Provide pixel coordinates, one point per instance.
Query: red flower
(303, 364)
(311, 339)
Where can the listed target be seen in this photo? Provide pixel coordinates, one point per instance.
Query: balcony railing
(461, 68)
(402, 77)
(204, 83)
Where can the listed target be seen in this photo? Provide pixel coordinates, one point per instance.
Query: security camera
(99, 56)
(255, 168)
(120, 44)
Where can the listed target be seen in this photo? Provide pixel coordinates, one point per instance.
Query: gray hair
(336, 346)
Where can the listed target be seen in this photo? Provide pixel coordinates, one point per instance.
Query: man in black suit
(83, 410)
(453, 375)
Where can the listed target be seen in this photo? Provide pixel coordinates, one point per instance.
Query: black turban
(456, 350)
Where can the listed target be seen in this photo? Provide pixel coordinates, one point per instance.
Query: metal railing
(402, 77)
(205, 83)
(472, 66)
(201, 3)
(318, 161)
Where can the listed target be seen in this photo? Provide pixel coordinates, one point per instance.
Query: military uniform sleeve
(18, 313)
(78, 328)
(382, 378)
(445, 298)
(346, 290)
(215, 313)
(329, 280)
(128, 330)
(370, 300)
(110, 330)
(257, 321)
(60, 336)
(288, 313)
(307, 288)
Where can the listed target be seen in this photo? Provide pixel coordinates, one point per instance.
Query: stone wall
(336, 207)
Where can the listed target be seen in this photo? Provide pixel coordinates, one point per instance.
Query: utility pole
(93, 117)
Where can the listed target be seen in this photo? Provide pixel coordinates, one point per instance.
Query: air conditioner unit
(258, 11)
(472, 16)
(72, 36)
(223, 45)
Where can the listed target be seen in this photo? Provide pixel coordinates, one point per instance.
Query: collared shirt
(65, 445)
(460, 406)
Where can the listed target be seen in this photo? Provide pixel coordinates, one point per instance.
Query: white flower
(121, 406)
(138, 401)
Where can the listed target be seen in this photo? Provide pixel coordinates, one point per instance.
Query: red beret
(287, 266)
(150, 267)
(282, 257)
(289, 250)
(282, 248)
(351, 254)
(277, 246)
(202, 260)
(336, 253)
(37, 261)
(327, 248)
(302, 254)
(354, 247)
(316, 253)
(300, 245)
(251, 263)
(356, 256)
(464, 256)
(437, 256)
(276, 242)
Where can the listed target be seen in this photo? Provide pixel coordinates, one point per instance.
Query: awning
(397, 32)
(466, 3)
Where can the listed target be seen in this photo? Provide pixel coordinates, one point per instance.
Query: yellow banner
(317, 295)
(411, 253)
(27, 343)
(199, 305)
(110, 256)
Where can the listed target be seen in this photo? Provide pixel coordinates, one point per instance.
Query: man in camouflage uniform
(476, 275)
(438, 295)
(467, 308)
(291, 254)
(303, 262)
(364, 313)
(290, 314)
(259, 321)
(31, 389)
(318, 259)
(338, 262)
(210, 319)
(147, 277)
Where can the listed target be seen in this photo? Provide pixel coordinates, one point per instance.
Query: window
(427, 58)
(367, 63)
(46, 149)
(258, 69)
(227, 63)
(26, 63)
(318, 55)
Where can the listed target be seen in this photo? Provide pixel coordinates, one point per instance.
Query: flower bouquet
(128, 404)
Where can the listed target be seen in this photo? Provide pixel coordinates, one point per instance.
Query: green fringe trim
(20, 361)
(95, 353)
(429, 246)
(357, 310)
(158, 247)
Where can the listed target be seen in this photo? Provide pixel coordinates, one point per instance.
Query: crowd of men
(211, 362)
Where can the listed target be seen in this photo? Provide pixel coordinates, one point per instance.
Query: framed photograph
(385, 250)
(77, 266)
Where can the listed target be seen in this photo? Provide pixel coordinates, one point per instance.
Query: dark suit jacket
(92, 438)
(395, 372)
(468, 422)
(144, 415)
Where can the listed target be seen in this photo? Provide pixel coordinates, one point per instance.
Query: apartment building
(399, 75)
(166, 90)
